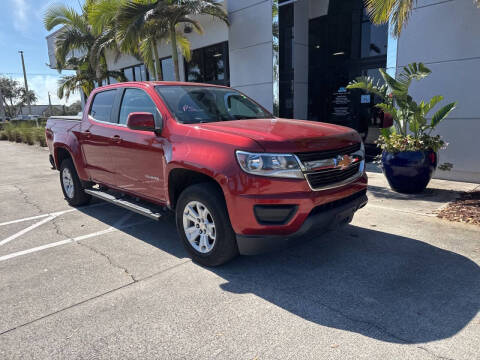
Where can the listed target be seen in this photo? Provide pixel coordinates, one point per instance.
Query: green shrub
(17, 135)
(24, 131)
(9, 132)
(28, 136)
(3, 135)
(40, 137)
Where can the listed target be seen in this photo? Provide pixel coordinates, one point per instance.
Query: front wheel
(71, 185)
(204, 226)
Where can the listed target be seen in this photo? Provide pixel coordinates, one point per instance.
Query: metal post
(50, 104)
(26, 84)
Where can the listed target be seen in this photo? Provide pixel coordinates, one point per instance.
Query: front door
(139, 155)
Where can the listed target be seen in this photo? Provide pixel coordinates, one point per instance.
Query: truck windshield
(200, 104)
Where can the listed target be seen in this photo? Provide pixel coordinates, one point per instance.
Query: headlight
(276, 165)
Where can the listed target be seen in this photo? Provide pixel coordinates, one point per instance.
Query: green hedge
(41, 122)
(23, 132)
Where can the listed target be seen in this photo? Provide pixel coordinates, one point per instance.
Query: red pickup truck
(239, 179)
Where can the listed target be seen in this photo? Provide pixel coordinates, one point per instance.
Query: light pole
(50, 104)
(26, 84)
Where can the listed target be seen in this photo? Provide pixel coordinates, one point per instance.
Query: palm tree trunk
(173, 38)
(158, 66)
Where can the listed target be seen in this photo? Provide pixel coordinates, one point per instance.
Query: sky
(21, 28)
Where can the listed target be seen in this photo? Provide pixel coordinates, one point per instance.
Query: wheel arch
(181, 178)
(62, 153)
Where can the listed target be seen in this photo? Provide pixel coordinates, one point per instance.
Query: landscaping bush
(40, 136)
(17, 135)
(9, 132)
(24, 132)
(28, 136)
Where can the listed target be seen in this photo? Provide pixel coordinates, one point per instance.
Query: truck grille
(327, 177)
(333, 174)
(321, 155)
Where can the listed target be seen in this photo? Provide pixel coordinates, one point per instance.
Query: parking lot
(101, 282)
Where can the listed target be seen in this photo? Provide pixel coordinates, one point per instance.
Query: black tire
(225, 244)
(77, 197)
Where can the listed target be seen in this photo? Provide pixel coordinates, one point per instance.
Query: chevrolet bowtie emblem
(344, 161)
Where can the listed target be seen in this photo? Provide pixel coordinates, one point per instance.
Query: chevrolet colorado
(239, 179)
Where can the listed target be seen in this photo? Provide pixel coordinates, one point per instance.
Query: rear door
(139, 155)
(96, 137)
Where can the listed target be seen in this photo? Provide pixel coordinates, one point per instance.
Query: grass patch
(27, 133)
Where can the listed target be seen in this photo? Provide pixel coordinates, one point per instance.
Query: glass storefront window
(374, 39)
(195, 66)
(214, 63)
(136, 70)
(143, 72)
(168, 71)
(209, 65)
(286, 40)
(129, 74)
(136, 73)
(344, 44)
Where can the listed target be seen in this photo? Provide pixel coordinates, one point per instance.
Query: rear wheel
(71, 185)
(204, 226)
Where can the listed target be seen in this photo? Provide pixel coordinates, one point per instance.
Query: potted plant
(410, 152)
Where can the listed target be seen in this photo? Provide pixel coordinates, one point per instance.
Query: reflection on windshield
(200, 104)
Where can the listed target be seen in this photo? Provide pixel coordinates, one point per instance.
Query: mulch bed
(465, 210)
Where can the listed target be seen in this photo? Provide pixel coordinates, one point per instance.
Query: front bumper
(323, 217)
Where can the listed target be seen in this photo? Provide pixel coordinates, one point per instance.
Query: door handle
(87, 133)
(116, 138)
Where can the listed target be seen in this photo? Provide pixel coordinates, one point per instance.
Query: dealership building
(295, 57)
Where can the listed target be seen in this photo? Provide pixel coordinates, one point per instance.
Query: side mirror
(141, 121)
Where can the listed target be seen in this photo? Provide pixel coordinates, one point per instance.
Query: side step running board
(147, 210)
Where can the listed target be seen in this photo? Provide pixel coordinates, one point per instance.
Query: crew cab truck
(239, 179)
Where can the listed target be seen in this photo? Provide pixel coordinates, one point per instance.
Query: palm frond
(64, 15)
(397, 12)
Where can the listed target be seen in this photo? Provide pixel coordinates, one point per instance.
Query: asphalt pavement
(99, 282)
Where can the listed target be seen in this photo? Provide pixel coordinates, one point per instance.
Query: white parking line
(58, 213)
(71, 240)
(24, 231)
(51, 217)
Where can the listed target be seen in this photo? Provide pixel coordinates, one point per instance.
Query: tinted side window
(102, 105)
(135, 100)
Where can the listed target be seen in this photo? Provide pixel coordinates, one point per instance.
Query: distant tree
(25, 97)
(10, 92)
(74, 108)
(15, 96)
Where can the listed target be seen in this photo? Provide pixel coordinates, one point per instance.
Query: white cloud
(42, 85)
(20, 11)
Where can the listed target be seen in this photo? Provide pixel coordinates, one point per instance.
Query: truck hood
(288, 136)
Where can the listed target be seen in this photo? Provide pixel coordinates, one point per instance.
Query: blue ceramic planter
(409, 171)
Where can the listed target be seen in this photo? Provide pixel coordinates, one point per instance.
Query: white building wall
(251, 49)
(445, 36)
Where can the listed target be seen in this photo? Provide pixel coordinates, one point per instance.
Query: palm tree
(139, 40)
(140, 17)
(396, 11)
(85, 77)
(77, 37)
